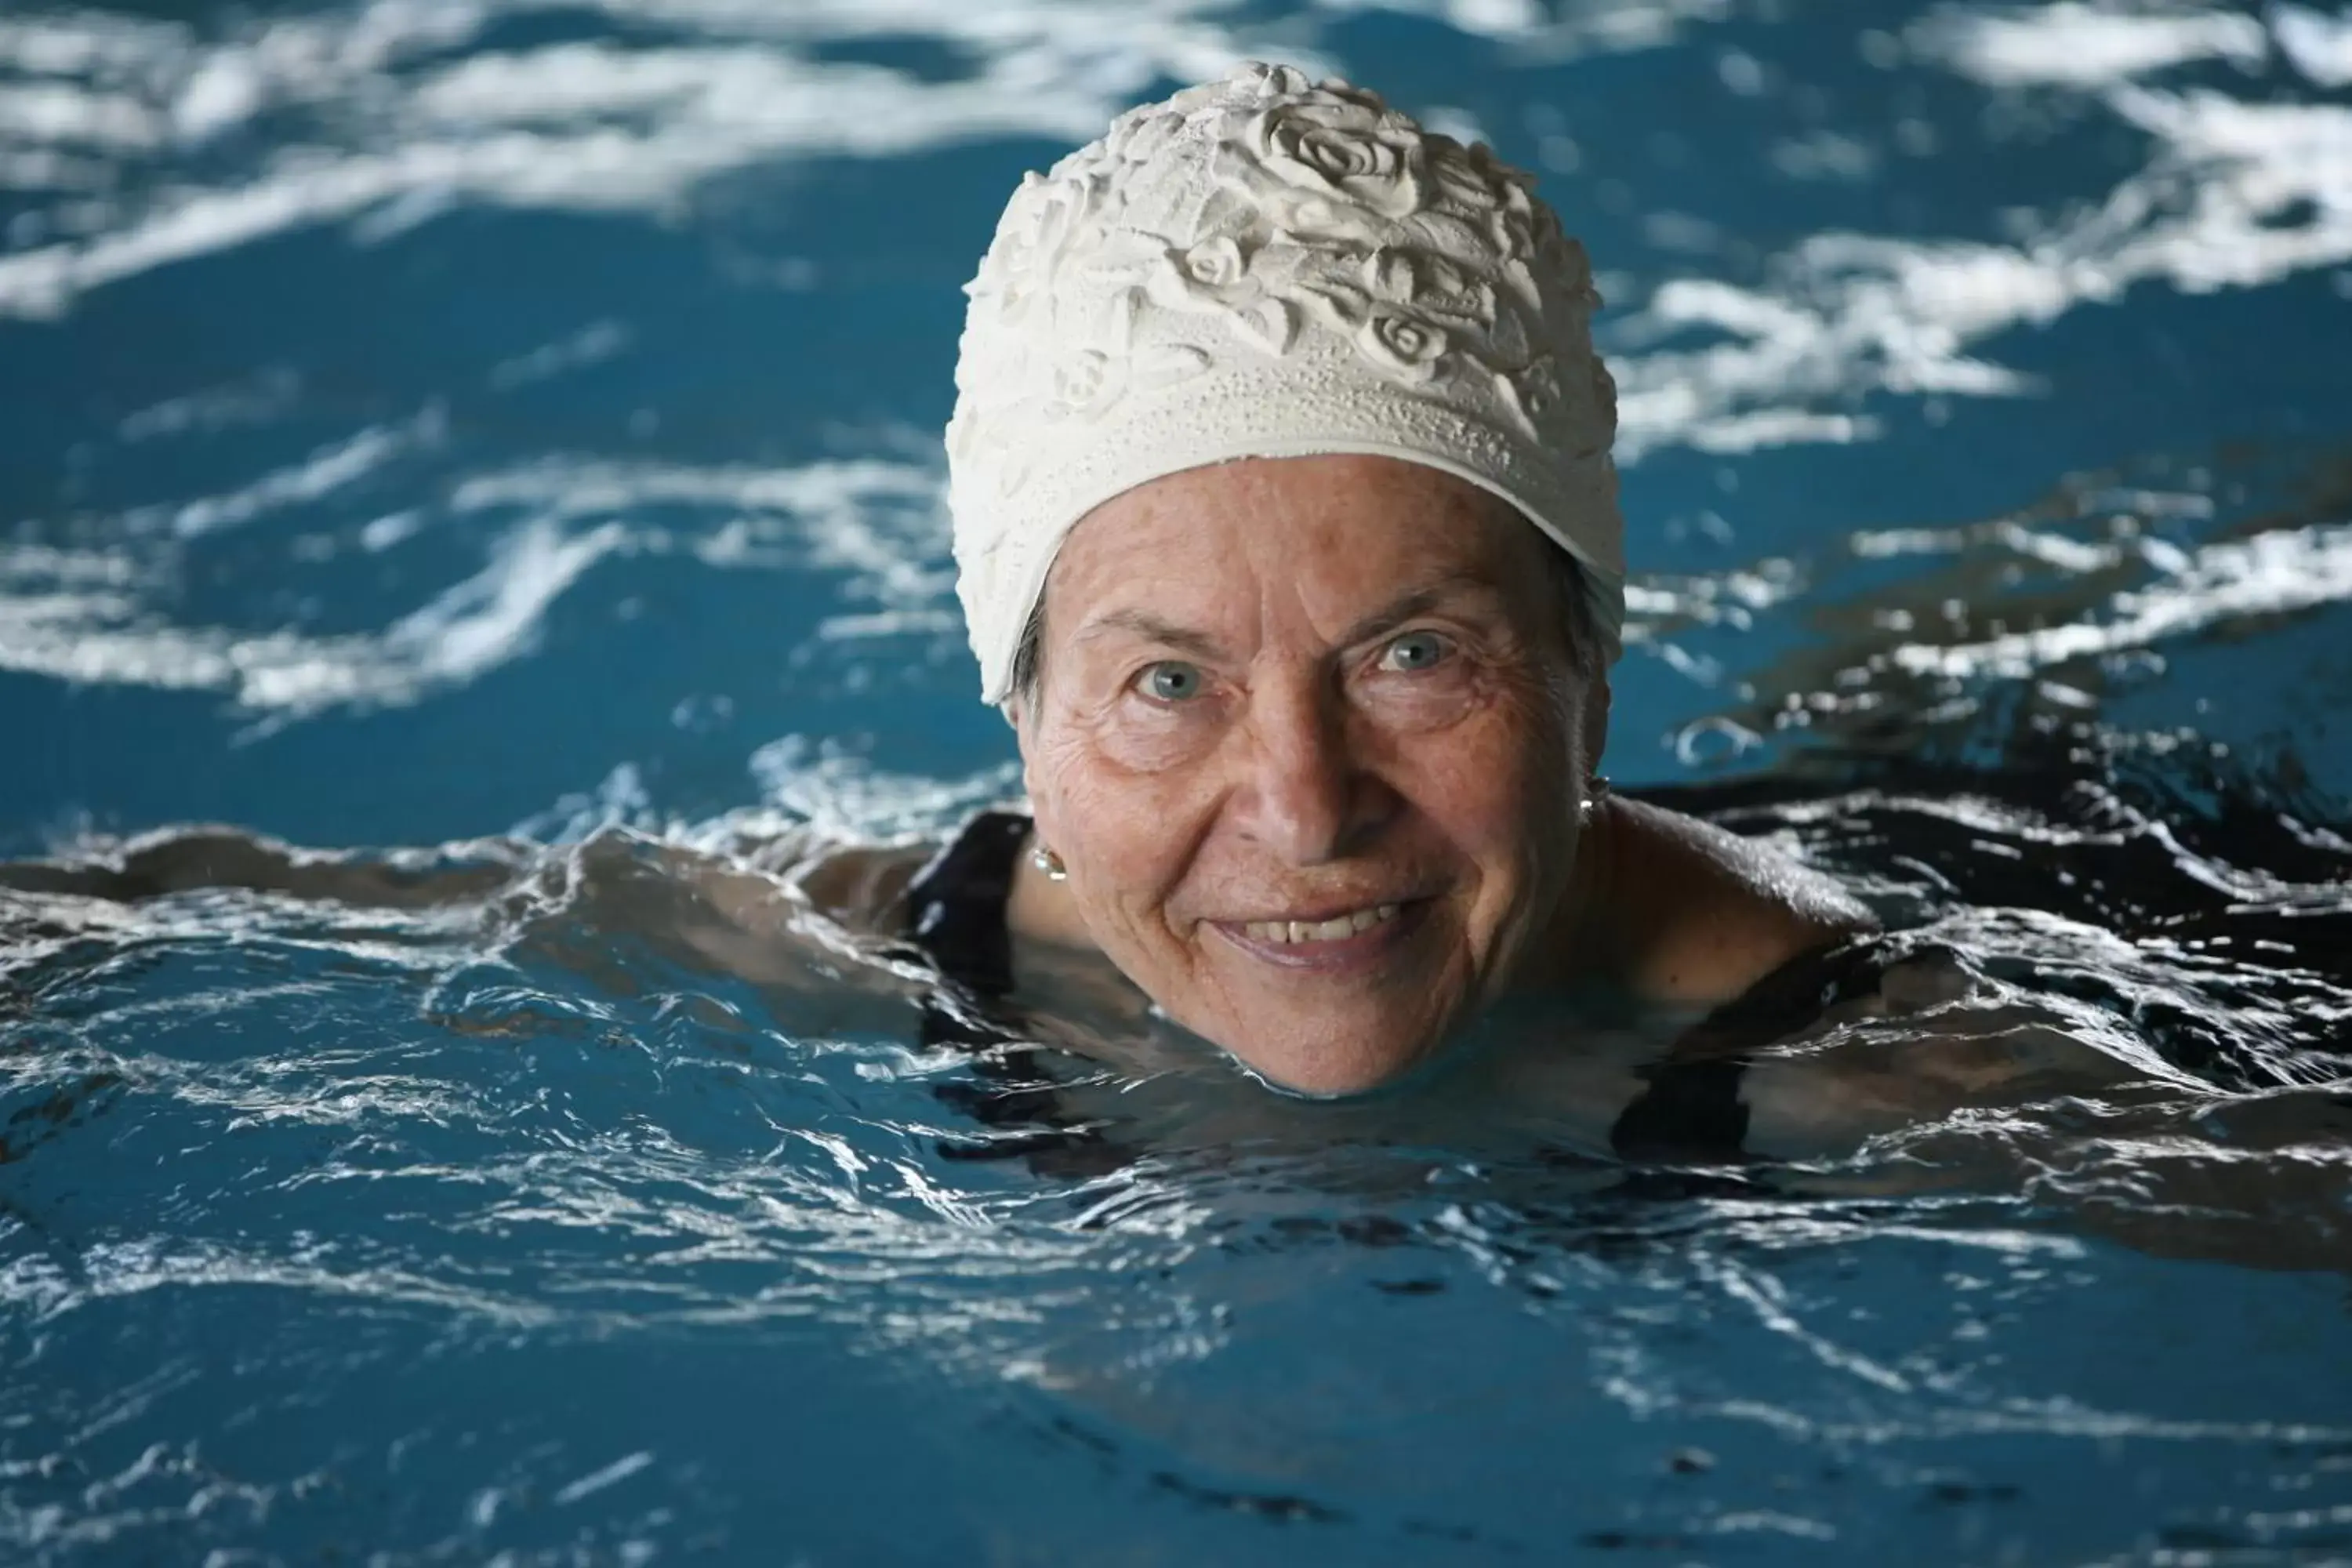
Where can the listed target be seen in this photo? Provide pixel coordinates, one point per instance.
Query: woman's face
(1309, 736)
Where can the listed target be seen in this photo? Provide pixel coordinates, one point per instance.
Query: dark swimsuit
(955, 914)
(1689, 1111)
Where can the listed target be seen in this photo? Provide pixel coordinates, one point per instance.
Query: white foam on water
(128, 135)
(106, 612)
(2085, 45)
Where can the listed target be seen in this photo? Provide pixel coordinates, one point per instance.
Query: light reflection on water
(434, 420)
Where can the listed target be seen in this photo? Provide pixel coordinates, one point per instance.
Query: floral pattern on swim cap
(1264, 265)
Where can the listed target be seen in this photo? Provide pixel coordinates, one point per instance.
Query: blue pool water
(448, 420)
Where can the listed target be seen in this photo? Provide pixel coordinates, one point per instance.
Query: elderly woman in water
(1288, 538)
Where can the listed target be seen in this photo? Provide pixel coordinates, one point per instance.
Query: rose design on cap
(1215, 277)
(1213, 263)
(1341, 151)
(1266, 266)
(1408, 346)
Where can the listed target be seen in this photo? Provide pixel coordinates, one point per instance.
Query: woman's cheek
(1138, 738)
(1119, 789)
(1418, 703)
(1498, 765)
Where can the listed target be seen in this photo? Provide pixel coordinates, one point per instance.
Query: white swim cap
(1261, 266)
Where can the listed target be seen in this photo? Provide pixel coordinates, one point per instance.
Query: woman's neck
(1588, 930)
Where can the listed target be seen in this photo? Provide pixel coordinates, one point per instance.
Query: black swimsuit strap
(1691, 1109)
(956, 904)
(956, 913)
(1688, 1110)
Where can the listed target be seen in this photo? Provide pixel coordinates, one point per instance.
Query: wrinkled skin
(1281, 689)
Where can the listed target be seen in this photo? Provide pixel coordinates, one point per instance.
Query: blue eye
(1414, 651)
(1172, 680)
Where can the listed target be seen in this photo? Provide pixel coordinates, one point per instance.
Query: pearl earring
(1045, 860)
(1596, 791)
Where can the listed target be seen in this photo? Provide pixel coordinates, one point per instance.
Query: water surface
(430, 422)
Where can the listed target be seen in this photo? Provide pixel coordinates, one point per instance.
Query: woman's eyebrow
(1152, 628)
(1420, 602)
(1453, 586)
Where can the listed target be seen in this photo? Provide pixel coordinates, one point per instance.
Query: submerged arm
(784, 913)
(1952, 1083)
(186, 859)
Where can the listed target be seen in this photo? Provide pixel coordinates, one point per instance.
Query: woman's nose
(1306, 796)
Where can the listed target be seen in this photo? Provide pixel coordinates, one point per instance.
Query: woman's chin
(1333, 1018)
(1329, 1065)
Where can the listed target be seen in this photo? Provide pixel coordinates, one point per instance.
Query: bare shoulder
(861, 886)
(1700, 914)
(857, 889)
(794, 913)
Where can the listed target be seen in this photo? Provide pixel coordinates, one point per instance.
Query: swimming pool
(433, 420)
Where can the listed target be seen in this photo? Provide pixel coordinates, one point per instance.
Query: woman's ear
(1025, 735)
(1016, 713)
(1595, 720)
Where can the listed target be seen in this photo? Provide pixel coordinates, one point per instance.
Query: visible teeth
(1332, 930)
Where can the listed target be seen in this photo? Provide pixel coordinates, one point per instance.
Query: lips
(1359, 941)
(1336, 928)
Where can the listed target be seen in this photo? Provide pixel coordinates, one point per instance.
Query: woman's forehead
(1326, 527)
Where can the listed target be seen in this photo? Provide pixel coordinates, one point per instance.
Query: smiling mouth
(1337, 929)
(1353, 941)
